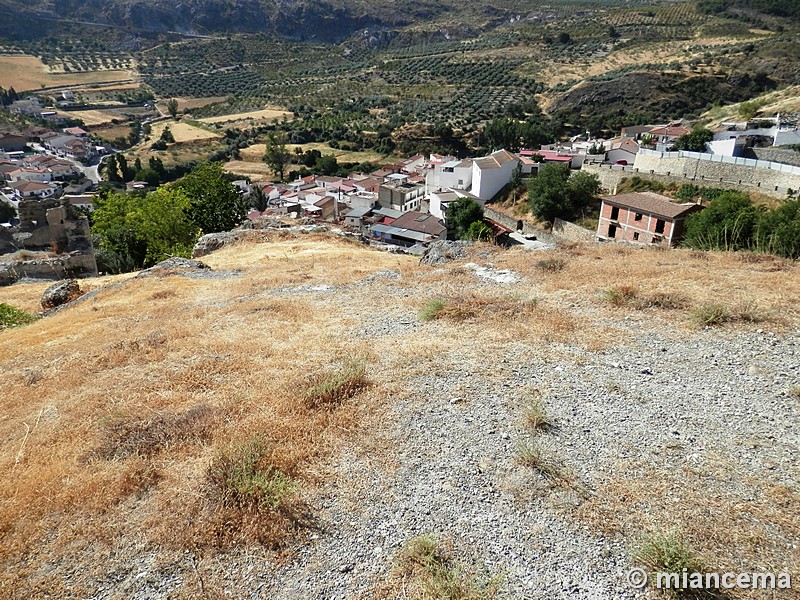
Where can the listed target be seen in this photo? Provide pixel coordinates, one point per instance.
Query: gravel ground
(455, 474)
(443, 458)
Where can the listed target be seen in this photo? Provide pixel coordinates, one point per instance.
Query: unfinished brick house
(643, 218)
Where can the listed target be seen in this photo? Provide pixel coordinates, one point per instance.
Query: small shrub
(429, 571)
(244, 477)
(794, 392)
(668, 552)
(530, 455)
(432, 310)
(14, 317)
(125, 437)
(710, 313)
(663, 300)
(621, 295)
(248, 497)
(536, 418)
(551, 265)
(750, 312)
(332, 388)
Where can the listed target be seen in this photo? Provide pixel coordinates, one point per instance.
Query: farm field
(190, 103)
(254, 170)
(94, 117)
(182, 132)
(30, 73)
(267, 114)
(256, 151)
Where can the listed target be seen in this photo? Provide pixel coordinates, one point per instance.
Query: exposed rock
(8, 275)
(174, 265)
(60, 293)
(492, 274)
(443, 251)
(211, 242)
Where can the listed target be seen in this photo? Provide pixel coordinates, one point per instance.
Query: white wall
(487, 182)
(436, 179)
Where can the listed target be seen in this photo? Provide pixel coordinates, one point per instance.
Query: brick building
(643, 218)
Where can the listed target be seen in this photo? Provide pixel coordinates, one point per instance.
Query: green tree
(695, 140)
(327, 165)
(554, 193)
(214, 203)
(276, 156)
(172, 108)
(460, 215)
(167, 137)
(479, 231)
(7, 212)
(727, 223)
(135, 230)
(778, 231)
(165, 225)
(257, 198)
(503, 133)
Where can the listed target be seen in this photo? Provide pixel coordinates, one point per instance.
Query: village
(404, 204)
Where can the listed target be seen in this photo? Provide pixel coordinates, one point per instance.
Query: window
(635, 236)
(612, 231)
(615, 213)
(660, 226)
(637, 217)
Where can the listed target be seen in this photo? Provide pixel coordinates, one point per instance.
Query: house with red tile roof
(643, 218)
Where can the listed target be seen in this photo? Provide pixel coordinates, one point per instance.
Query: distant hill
(329, 21)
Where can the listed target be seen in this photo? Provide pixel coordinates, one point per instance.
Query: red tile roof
(650, 202)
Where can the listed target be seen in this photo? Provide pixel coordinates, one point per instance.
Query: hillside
(286, 424)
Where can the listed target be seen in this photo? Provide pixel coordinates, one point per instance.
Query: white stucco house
(454, 174)
(491, 173)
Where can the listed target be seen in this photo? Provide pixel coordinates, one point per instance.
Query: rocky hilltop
(300, 416)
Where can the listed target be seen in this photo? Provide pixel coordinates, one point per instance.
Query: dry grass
(182, 132)
(95, 117)
(266, 114)
(740, 522)
(681, 279)
(131, 396)
(125, 416)
(190, 103)
(256, 152)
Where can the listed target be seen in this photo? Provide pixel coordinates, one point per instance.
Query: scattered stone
(174, 265)
(211, 242)
(443, 251)
(60, 293)
(503, 276)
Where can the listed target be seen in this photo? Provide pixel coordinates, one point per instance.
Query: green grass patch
(432, 310)
(244, 477)
(14, 317)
